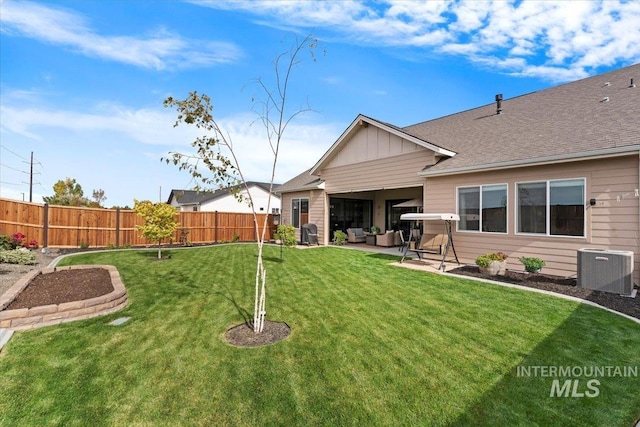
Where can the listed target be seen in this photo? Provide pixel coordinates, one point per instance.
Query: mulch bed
(561, 285)
(243, 335)
(64, 286)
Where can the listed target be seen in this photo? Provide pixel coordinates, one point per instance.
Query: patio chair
(387, 239)
(356, 235)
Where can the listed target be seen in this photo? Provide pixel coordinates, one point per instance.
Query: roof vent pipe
(499, 103)
(632, 84)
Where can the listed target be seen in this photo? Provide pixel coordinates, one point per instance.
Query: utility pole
(31, 180)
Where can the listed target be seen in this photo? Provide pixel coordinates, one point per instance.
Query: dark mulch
(561, 285)
(64, 286)
(243, 335)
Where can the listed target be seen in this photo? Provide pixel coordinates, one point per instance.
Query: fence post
(215, 229)
(45, 226)
(117, 227)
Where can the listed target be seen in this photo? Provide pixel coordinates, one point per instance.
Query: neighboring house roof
(191, 197)
(363, 120)
(302, 182)
(593, 117)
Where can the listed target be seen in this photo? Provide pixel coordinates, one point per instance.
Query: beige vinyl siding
(388, 173)
(316, 213)
(610, 223)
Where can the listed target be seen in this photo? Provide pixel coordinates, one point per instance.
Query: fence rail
(65, 226)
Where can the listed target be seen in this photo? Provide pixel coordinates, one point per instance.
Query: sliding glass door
(349, 213)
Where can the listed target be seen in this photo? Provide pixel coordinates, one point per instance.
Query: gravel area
(11, 273)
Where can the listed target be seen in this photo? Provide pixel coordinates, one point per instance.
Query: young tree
(159, 221)
(67, 192)
(215, 149)
(98, 198)
(286, 233)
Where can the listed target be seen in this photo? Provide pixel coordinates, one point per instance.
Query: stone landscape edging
(54, 314)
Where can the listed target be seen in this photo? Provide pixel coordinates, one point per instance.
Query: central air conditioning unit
(606, 270)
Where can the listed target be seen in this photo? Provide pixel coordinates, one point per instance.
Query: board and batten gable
(612, 223)
(374, 159)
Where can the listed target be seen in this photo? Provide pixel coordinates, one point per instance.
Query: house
(223, 201)
(542, 174)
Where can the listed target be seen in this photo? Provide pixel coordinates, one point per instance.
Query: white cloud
(551, 39)
(304, 142)
(159, 50)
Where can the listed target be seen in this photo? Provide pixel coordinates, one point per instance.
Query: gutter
(295, 190)
(540, 161)
(372, 189)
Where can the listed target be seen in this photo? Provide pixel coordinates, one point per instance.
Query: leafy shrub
(485, 260)
(375, 229)
(286, 234)
(339, 237)
(17, 256)
(84, 245)
(17, 240)
(5, 242)
(235, 237)
(532, 264)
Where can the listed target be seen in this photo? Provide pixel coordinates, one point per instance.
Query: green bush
(375, 229)
(485, 260)
(5, 242)
(17, 256)
(531, 264)
(286, 234)
(339, 237)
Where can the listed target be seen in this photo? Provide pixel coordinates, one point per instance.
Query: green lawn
(371, 344)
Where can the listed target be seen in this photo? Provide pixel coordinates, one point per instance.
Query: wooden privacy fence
(65, 226)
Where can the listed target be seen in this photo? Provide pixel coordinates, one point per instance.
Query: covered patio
(429, 262)
(381, 208)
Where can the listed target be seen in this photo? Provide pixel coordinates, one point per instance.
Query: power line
(14, 153)
(9, 167)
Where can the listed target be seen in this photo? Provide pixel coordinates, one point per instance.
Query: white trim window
(299, 212)
(552, 208)
(483, 208)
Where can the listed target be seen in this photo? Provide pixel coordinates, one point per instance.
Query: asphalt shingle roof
(304, 181)
(187, 197)
(597, 113)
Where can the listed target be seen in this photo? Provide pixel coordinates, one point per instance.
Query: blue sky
(82, 82)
